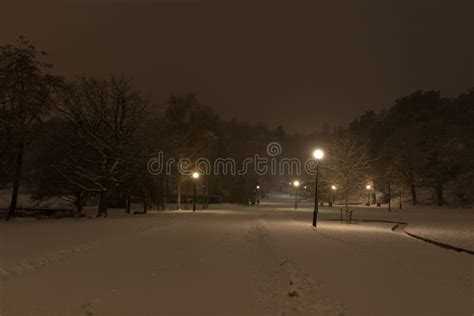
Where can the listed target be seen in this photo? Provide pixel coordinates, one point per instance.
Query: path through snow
(264, 260)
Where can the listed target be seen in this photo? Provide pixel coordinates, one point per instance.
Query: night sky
(296, 63)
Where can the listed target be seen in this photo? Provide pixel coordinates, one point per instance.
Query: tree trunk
(102, 208)
(203, 199)
(145, 200)
(79, 203)
(186, 198)
(165, 193)
(411, 175)
(178, 197)
(16, 182)
(414, 199)
(127, 203)
(159, 195)
(439, 193)
(206, 199)
(389, 196)
(400, 199)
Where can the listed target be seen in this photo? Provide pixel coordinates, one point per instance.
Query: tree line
(90, 138)
(423, 141)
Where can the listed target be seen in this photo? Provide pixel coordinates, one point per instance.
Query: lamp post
(318, 154)
(195, 178)
(203, 200)
(400, 198)
(333, 188)
(368, 187)
(296, 184)
(257, 194)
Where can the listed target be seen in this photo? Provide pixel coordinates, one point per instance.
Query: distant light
(305, 187)
(296, 183)
(195, 175)
(258, 187)
(289, 183)
(368, 187)
(333, 187)
(318, 154)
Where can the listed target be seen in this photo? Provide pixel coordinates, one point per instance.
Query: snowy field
(235, 260)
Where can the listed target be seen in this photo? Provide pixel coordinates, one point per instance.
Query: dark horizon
(297, 65)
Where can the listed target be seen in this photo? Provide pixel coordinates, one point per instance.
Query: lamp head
(318, 154)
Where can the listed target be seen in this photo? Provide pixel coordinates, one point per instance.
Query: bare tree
(192, 131)
(25, 98)
(103, 115)
(444, 160)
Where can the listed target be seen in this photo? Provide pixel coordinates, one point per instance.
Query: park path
(234, 261)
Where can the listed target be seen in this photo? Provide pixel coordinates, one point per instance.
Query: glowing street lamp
(296, 184)
(369, 188)
(195, 176)
(318, 154)
(333, 189)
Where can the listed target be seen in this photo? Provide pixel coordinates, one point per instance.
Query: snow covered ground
(238, 260)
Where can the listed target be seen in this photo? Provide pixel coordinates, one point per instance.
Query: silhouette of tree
(26, 95)
(103, 115)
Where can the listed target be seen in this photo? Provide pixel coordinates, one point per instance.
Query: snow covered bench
(348, 215)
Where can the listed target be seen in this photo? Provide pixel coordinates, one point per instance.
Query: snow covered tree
(348, 164)
(103, 116)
